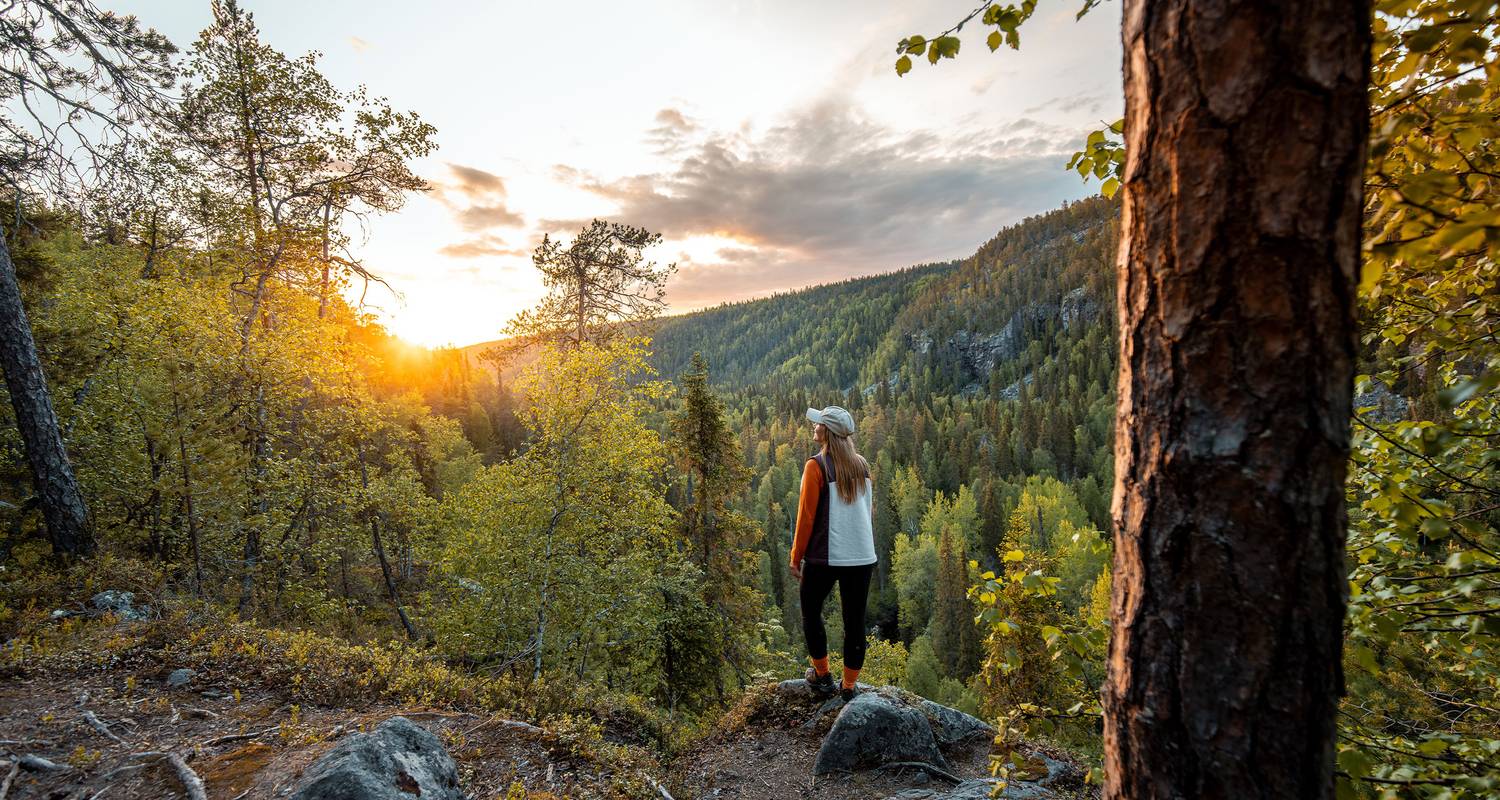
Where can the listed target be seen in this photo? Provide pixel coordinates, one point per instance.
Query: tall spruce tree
(717, 538)
(955, 638)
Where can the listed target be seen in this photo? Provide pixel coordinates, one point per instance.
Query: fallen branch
(98, 725)
(923, 765)
(15, 769)
(32, 763)
(236, 737)
(190, 780)
(662, 790)
(505, 723)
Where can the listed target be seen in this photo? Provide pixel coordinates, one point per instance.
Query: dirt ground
(246, 739)
(770, 754)
(243, 745)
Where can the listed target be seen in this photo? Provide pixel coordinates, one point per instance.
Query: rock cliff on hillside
(980, 353)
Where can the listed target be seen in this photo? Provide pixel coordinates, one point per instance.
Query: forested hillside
(984, 405)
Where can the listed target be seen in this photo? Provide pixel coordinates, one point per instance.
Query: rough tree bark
(63, 509)
(1246, 125)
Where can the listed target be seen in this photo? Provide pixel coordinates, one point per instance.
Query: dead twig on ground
(237, 737)
(10, 776)
(99, 725)
(511, 724)
(660, 789)
(190, 780)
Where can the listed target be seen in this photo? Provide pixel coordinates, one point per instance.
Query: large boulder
(399, 760)
(951, 726)
(877, 728)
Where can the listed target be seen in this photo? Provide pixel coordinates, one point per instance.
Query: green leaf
(903, 65)
(1355, 762)
(1109, 187)
(994, 40)
(1014, 555)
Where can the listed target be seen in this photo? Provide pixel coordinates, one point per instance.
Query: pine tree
(717, 537)
(954, 636)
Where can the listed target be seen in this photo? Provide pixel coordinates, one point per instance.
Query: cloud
(480, 217)
(828, 193)
(480, 247)
(359, 45)
(673, 128)
(476, 199)
(1068, 103)
(475, 182)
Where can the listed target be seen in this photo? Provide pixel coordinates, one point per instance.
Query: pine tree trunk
(1246, 125)
(63, 509)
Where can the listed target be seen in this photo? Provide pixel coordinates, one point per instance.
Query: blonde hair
(850, 470)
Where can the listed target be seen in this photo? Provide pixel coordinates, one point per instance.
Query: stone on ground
(399, 760)
(121, 604)
(875, 729)
(180, 678)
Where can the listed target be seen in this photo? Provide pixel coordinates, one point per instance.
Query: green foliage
(914, 567)
(555, 559)
(1005, 19)
(715, 537)
(1102, 157)
(1042, 670)
(1424, 613)
(599, 286)
(1424, 600)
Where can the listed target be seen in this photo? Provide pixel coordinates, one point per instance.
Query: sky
(771, 143)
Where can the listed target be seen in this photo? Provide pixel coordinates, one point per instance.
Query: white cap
(834, 419)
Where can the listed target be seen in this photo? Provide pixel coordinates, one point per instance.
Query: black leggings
(854, 591)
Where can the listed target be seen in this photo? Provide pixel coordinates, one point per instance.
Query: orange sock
(850, 676)
(821, 665)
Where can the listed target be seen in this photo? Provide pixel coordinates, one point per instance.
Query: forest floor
(253, 746)
(765, 747)
(96, 703)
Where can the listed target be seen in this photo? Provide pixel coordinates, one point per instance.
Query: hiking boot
(849, 692)
(822, 684)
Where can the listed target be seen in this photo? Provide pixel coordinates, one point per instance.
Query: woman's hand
(797, 571)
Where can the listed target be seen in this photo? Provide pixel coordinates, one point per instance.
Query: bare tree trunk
(259, 505)
(379, 546)
(187, 490)
(327, 263)
(1246, 125)
(66, 515)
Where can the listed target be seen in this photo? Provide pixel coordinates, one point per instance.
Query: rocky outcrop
(952, 727)
(980, 352)
(893, 731)
(875, 729)
(1076, 306)
(399, 760)
(179, 678)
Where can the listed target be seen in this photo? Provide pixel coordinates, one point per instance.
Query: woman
(835, 543)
